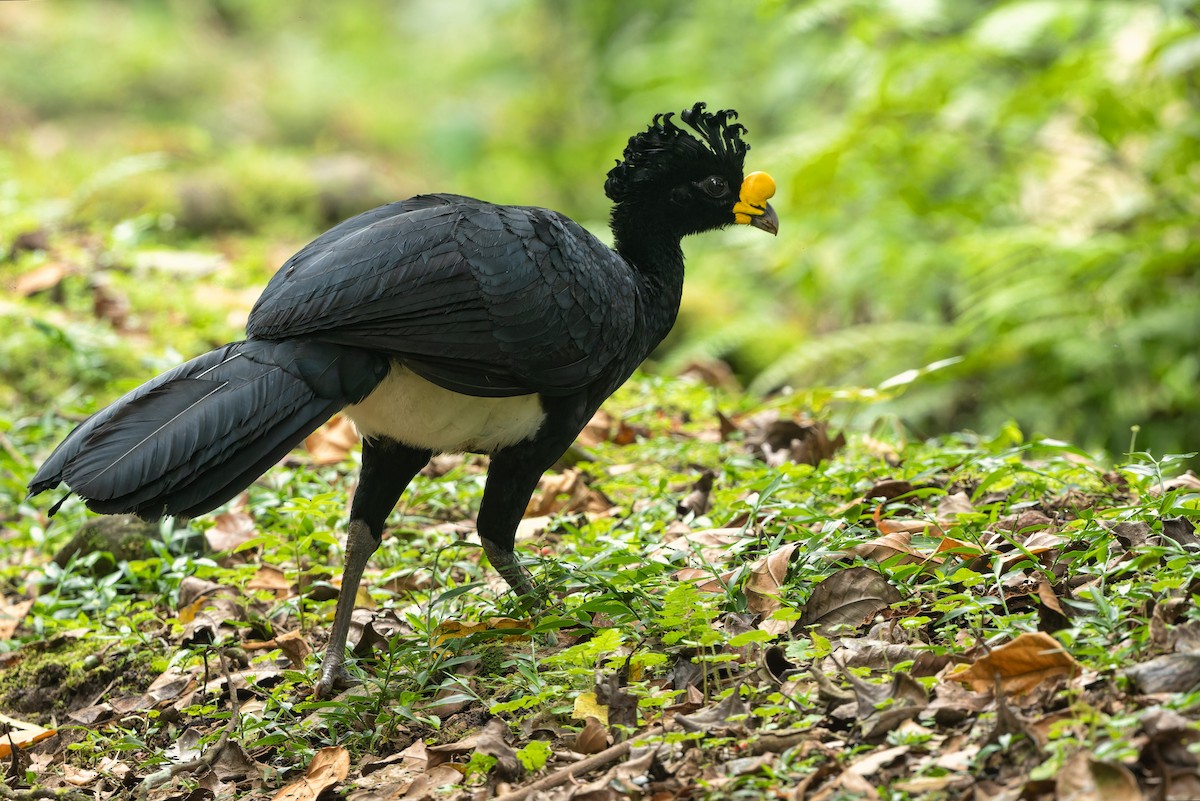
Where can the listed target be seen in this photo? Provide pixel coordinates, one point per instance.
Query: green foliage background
(1011, 186)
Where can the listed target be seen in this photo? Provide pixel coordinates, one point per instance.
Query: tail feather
(194, 437)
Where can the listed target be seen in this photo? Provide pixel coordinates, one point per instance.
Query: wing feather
(482, 299)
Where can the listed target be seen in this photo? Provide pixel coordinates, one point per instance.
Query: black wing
(481, 299)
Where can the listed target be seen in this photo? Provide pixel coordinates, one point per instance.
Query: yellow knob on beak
(752, 207)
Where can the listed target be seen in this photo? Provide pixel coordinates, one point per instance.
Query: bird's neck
(657, 259)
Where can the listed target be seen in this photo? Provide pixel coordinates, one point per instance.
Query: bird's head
(668, 176)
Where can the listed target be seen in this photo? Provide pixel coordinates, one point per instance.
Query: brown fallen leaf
(1020, 665)
(294, 647)
(889, 489)
(870, 763)
(1171, 673)
(958, 547)
(109, 304)
(895, 547)
(1187, 481)
(719, 717)
(603, 427)
(39, 279)
(30, 241)
(329, 766)
(229, 530)
(713, 372)
(612, 691)
(458, 629)
(271, 579)
(624, 780)
(489, 740)
(21, 734)
(592, 739)
(849, 597)
(209, 616)
(567, 491)
(1085, 778)
(767, 576)
(332, 442)
(696, 502)
(234, 765)
(11, 616)
(389, 778)
(951, 506)
(776, 440)
(1046, 596)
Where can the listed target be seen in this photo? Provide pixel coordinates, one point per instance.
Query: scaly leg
(512, 477)
(387, 469)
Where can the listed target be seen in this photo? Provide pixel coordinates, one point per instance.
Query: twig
(209, 759)
(571, 771)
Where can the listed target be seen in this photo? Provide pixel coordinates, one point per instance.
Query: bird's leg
(387, 468)
(512, 571)
(512, 477)
(360, 544)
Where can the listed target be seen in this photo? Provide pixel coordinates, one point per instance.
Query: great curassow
(438, 324)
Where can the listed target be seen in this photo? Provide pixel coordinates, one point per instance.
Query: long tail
(192, 438)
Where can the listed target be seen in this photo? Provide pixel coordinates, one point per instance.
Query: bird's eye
(714, 186)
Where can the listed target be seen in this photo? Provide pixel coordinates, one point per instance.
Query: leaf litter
(811, 625)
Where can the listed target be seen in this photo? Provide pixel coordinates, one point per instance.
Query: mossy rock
(118, 538)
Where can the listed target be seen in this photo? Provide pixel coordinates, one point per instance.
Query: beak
(752, 207)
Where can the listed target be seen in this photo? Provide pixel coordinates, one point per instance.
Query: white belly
(409, 409)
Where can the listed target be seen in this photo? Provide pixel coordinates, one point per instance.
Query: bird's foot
(333, 679)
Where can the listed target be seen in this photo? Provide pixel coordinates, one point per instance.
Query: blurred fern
(1011, 184)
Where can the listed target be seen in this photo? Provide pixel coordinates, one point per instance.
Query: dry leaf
(489, 740)
(21, 734)
(229, 530)
(565, 492)
(39, 279)
(847, 598)
(603, 427)
(1187, 481)
(458, 629)
(889, 489)
(110, 305)
(767, 575)
(958, 547)
(329, 766)
(1085, 778)
(332, 442)
(718, 718)
(1045, 594)
(11, 616)
(713, 372)
(1020, 665)
(294, 647)
(697, 500)
(592, 739)
(871, 762)
(586, 706)
(626, 779)
(1172, 673)
(704, 579)
(777, 440)
(271, 579)
(951, 506)
(896, 547)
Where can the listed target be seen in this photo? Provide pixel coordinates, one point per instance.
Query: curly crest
(665, 148)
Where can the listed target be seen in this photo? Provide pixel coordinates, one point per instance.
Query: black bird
(439, 324)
